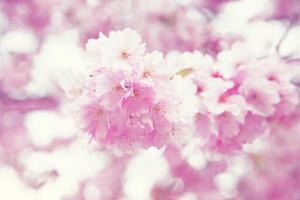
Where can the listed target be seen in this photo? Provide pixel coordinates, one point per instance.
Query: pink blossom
(95, 120)
(120, 50)
(140, 105)
(216, 93)
(109, 87)
(261, 101)
(140, 99)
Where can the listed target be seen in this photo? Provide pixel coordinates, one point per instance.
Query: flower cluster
(130, 99)
(240, 100)
(207, 108)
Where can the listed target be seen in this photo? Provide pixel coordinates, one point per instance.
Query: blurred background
(43, 156)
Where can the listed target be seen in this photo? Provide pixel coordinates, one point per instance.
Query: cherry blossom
(161, 99)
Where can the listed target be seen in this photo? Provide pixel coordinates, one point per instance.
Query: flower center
(125, 54)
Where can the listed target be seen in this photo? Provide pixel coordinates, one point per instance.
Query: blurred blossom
(158, 100)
